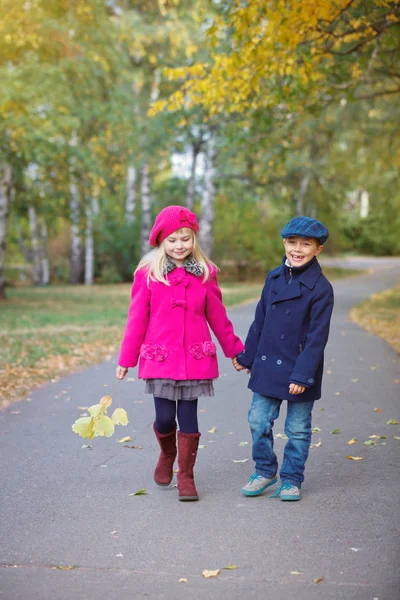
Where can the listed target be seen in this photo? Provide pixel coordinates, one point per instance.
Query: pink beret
(169, 220)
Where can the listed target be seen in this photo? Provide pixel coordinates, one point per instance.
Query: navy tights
(168, 410)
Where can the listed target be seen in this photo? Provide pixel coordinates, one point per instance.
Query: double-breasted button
(273, 307)
(279, 362)
(263, 357)
(287, 312)
(282, 336)
(311, 380)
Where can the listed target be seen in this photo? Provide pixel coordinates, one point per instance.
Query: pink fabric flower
(196, 351)
(153, 352)
(209, 348)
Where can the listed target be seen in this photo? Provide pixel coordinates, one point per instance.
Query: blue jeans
(262, 414)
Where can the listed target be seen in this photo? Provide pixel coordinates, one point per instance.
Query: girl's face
(179, 245)
(299, 250)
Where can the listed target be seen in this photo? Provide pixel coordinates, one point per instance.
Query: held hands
(239, 367)
(296, 389)
(121, 372)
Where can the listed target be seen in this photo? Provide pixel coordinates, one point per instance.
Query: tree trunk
(130, 203)
(146, 209)
(207, 201)
(89, 245)
(44, 260)
(192, 179)
(301, 194)
(74, 210)
(35, 245)
(5, 195)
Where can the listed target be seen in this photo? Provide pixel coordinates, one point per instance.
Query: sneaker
(257, 484)
(287, 491)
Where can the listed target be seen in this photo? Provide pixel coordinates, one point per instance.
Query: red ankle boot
(163, 472)
(188, 444)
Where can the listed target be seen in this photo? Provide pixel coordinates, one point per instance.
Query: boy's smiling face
(299, 250)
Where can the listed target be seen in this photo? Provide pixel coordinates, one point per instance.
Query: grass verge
(381, 316)
(46, 333)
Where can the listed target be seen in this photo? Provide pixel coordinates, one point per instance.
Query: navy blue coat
(286, 340)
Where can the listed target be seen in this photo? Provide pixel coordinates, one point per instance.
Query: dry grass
(381, 316)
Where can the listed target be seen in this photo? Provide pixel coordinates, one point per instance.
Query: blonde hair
(154, 261)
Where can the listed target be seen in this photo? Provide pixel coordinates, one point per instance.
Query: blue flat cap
(306, 227)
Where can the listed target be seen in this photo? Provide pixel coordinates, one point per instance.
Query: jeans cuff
(264, 474)
(291, 482)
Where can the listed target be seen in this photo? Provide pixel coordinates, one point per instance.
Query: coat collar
(307, 277)
(191, 265)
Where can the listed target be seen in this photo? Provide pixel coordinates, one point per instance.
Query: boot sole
(188, 498)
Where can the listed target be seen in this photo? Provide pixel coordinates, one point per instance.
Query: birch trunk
(5, 195)
(146, 209)
(89, 245)
(301, 194)
(192, 178)
(130, 203)
(35, 245)
(44, 259)
(74, 206)
(207, 201)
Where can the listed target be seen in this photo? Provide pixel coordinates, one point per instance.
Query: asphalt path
(70, 530)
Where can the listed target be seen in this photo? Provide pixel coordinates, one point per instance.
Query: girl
(174, 294)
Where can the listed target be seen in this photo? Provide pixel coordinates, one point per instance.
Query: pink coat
(167, 327)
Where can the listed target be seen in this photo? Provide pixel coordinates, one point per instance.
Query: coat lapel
(281, 290)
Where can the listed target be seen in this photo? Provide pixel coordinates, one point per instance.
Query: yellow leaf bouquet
(99, 424)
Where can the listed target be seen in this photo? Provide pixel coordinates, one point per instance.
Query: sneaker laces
(284, 486)
(254, 476)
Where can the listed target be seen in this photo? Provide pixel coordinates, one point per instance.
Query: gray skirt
(171, 389)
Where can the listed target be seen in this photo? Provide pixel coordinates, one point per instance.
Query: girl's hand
(295, 389)
(237, 366)
(121, 372)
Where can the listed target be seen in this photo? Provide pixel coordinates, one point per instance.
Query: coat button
(263, 357)
(273, 306)
(279, 362)
(287, 312)
(311, 380)
(282, 337)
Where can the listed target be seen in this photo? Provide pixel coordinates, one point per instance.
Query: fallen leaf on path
(230, 567)
(88, 446)
(369, 443)
(337, 393)
(64, 567)
(243, 443)
(355, 549)
(396, 437)
(315, 430)
(354, 380)
(316, 445)
(202, 446)
(182, 580)
(392, 422)
(207, 573)
(352, 441)
(396, 380)
(212, 430)
(318, 580)
(337, 430)
(139, 493)
(83, 407)
(119, 555)
(241, 461)
(377, 437)
(114, 532)
(329, 372)
(280, 436)
(377, 409)
(355, 457)
(296, 573)
(130, 379)
(125, 439)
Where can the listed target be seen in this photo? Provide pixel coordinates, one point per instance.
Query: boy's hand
(121, 372)
(237, 366)
(295, 389)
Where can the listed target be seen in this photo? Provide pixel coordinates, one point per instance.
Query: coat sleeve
(137, 322)
(317, 336)
(219, 322)
(246, 358)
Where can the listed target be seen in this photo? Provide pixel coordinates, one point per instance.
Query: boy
(284, 350)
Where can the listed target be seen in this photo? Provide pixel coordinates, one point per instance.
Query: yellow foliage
(98, 423)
